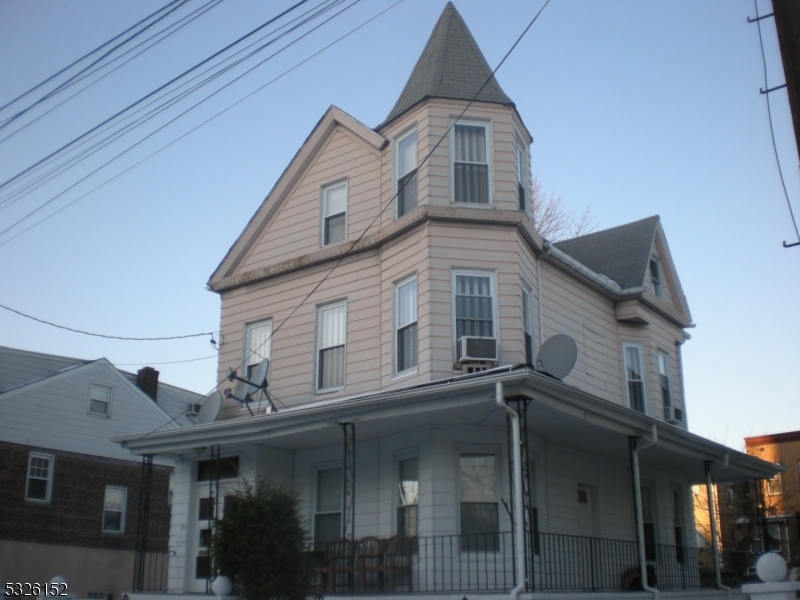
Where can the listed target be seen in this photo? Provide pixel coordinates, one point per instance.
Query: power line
(169, 362)
(111, 337)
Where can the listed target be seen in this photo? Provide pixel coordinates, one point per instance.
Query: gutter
(637, 500)
(601, 281)
(519, 530)
(712, 518)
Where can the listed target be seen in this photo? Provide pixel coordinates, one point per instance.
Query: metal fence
(154, 572)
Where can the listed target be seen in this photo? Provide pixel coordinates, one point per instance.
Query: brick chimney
(147, 380)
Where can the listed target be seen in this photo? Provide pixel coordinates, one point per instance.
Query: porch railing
(154, 578)
(456, 563)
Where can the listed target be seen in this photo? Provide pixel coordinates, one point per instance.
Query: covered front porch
(601, 493)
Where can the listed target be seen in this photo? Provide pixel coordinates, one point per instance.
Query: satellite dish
(210, 409)
(557, 356)
(258, 376)
(240, 391)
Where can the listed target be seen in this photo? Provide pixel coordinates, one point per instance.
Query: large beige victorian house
(395, 278)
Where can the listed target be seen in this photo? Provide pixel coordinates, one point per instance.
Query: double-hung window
(114, 509)
(519, 170)
(479, 515)
(634, 377)
(408, 497)
(328, 514)
(775, 485)
(406, 176)
(405, 334)
(473, 304)
(331, 332)
(655, 277)
(527, 323)
(471, 163)
(99, 400)
(258, 344)
(663, 377)
(40, 477)
(334, 213)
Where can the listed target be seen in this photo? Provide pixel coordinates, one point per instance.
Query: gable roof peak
(451, 66)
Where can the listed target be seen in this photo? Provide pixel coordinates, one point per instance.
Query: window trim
(323, 196)
(480, 450)
(775, 479)
(643, 379)
(123, 514)
(666, 400)
(398, 458)
(50, 477)
(520, 154)
(454, 274)
(656, 281)
(248, 327)
(395, 326)
(108, 402)
(527, 323)
(411, 130)
(317, 469)
(486, 124)
(318, 347)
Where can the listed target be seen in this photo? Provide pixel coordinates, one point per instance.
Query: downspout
(539, 292)
(637, 500)
(713, 519)
(519, 519)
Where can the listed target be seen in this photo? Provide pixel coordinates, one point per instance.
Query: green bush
(261, 544)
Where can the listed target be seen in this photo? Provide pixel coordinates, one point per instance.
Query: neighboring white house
(395, 381)
(69, 498)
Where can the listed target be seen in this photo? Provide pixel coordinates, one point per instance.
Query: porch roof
(558, 413)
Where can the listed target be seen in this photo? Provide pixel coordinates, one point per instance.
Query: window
(334, 213)
(474, 304)
(114, 509)
(405, 335)
(775, 485)
(332, 325)
(224, 468)
(663, 377)
(479, 515)
(655, 277)
(99, 400)
(470, 163)
(406, 176)
(519, 169)
(634, 375)
(40, 477)
(527, 324)
(648, 520)
(328, 516)
(408, 497)
(258, 344)
(677, 522)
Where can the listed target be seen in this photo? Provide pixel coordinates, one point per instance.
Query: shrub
(261, 544)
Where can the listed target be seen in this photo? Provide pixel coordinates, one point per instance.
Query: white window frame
(775, 485)
(527, 321)
(657, 278)
(317, 470)
(520, 154)
(397, 498)
(492, 275)
(121, 530)
(396, 325)
(643, 374)
(480, 450)
(664, 374)
(92, 388)
(321, 309)
(487, 126)
(51, 462)
(253, 356)
(396, 168)
(323, 211)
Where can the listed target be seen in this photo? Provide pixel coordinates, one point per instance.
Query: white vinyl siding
(99, 400)
(405, 334)
(334, 213)
(331, 351)
(114, 504)
(258, 344)
(406, 173)
(634, 377)
(40, 477)
(471, 165)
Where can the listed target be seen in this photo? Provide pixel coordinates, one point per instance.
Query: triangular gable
(669, 273)
(334, 117)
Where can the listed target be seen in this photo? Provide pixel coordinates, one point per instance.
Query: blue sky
(636, 108)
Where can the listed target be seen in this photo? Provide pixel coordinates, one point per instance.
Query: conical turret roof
(451, 66)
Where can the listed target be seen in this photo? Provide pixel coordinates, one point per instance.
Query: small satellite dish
(258, 376)
(210, 409)
(557, 356)
(240, 391)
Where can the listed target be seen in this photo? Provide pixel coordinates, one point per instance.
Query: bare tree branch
(553, 220)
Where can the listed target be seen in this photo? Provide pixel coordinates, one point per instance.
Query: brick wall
(74, 515)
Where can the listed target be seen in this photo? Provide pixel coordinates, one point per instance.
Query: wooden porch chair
(399, 551)
(340, 554)
(370, 560)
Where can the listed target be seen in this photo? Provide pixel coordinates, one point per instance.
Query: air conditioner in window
(193, 410)
(673, 415)
(476, 349)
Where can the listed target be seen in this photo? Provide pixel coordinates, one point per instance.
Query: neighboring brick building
(69, 499)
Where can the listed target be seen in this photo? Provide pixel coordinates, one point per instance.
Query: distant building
(69, 498)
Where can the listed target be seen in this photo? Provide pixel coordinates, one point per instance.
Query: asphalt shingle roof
(451, 66)
(620, 253)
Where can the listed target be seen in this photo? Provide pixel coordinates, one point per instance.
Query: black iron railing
(154, 567)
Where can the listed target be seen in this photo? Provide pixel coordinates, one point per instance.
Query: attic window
(655, 277)
(99, 400)
(334, 213)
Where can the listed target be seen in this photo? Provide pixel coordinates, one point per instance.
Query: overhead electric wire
(169, 362)
(31, 213)
(60, 87)
(177, 26)
(143, 98)
(102, 335)
(772, 129)
(41, 179)
(100, 47)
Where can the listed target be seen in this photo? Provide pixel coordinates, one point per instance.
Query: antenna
(246, 387)
(557, 356)
(210, 409)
